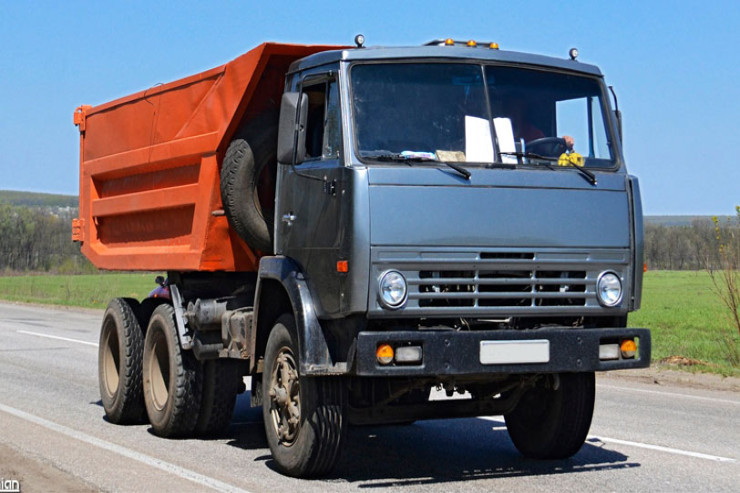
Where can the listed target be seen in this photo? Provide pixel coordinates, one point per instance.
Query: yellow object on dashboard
(573, 158)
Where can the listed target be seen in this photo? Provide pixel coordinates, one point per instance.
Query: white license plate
(514, 352)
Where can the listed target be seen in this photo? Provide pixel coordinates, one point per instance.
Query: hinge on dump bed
(77, 225)
(79, 116)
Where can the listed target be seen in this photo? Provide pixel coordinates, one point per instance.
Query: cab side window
(323, 127)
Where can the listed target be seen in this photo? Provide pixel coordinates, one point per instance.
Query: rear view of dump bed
(150, 162)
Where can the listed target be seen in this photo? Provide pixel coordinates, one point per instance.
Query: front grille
(473, 283)
(515, 288)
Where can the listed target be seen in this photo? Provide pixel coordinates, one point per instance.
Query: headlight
(392, 289)
(609, 289)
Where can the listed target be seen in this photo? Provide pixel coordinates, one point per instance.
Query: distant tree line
(694, 247)
(34, 199)
(38, 239)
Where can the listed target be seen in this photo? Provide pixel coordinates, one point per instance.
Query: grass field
(89, 291)
(686, 319)
(681, 308)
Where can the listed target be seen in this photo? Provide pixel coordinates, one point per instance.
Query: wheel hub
(285, 399)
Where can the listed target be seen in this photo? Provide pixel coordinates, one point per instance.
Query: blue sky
(675, 67)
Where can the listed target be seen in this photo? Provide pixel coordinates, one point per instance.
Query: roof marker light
(472, 43)
(493, 46)
(449, 42)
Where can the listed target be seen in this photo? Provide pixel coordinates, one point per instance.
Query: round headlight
(392, 289)
(609, 289)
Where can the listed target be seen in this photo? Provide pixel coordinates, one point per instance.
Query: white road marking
(58, 338)
(669, 394)
(659, 448)
(193, 476)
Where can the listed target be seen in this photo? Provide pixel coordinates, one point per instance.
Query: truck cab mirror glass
(290, 113)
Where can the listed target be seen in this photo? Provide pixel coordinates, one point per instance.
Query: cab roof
(481, 53)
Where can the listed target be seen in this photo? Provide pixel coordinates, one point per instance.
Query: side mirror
(292, 128)
(617, 114)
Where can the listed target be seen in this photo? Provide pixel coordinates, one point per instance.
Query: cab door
(311, 215)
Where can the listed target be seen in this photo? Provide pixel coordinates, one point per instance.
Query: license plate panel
(514, 352)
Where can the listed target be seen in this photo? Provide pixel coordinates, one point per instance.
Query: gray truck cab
(439, 165)
(456, 217)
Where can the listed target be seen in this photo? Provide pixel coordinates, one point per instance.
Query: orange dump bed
(150, 164)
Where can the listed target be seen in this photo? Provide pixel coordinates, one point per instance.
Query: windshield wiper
(399, 157)
(590, 177)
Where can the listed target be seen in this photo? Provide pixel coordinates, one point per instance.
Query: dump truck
(365, 232)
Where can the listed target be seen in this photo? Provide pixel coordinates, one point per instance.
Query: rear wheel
(221, 379)
(552, 419)
(120, 354)
(304, 419)
(172, 378)
(146, 308)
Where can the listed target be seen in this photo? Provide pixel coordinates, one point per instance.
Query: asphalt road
(53, 435)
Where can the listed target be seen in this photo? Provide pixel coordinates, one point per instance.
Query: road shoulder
(658, 375)
(37, 475)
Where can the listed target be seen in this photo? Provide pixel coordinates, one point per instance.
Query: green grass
(686, 319)
(680, 308)
(90, 291)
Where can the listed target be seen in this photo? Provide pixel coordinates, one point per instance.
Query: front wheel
(552, 419)
(304, 418)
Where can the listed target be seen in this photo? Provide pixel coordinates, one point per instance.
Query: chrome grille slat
(496, 282)
(502, 295)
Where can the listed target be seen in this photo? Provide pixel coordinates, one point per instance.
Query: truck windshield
(458, 112)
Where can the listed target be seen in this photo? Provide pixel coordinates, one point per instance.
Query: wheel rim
(111, 362)
(159, 373)
(285, 397)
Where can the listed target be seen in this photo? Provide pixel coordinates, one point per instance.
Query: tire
(172, 378)
(552, 423)
(146, 308)
(309, 446)
(120, 353)
(248, 182)
(221, 380)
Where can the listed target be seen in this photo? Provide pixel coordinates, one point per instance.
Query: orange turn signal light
(384, 353)
(342, 266)
(628, 348)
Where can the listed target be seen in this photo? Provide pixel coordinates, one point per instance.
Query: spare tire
(248, 181)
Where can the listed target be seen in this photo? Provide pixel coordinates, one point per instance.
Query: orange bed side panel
(150, 166)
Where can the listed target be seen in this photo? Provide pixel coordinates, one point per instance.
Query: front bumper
(458, 353)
